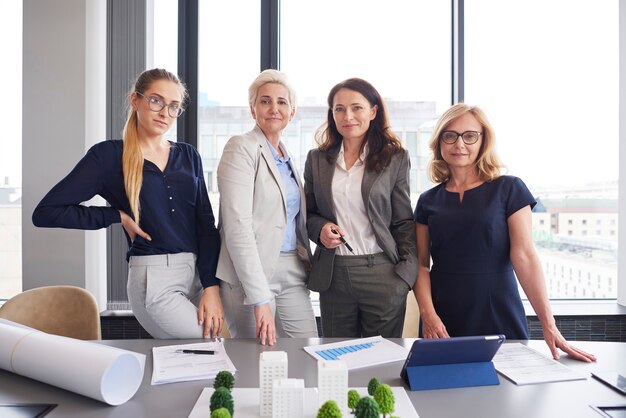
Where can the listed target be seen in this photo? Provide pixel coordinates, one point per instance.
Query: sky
(546, 72)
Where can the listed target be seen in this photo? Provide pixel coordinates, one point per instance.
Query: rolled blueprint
(108, 374)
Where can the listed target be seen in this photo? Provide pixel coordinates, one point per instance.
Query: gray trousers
(291, 305)
(164, 292)
(365, 298)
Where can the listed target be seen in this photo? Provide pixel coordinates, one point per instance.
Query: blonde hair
(271, 76)
(132, 157)
(488, 164)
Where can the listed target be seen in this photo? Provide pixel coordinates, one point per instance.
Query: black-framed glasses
(468, 137)
(156, 105)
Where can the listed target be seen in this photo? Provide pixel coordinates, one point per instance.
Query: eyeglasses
(156, 105)
(468, 137)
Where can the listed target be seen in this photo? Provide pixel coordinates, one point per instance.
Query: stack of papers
(362, 352)
(525, 366)
(172, 365)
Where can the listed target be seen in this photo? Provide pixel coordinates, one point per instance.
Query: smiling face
(272, 109)
(459, 154)
(152, 124)
(352, 114)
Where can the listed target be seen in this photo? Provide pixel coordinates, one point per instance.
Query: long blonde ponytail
(132, 163)
(132, 157)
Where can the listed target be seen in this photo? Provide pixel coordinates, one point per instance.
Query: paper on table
(525, 366)
(171, 367)
(362, 352)
(108, 374)
(247, 403)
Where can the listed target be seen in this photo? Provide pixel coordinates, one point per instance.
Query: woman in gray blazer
(265, 252)
(359, 214)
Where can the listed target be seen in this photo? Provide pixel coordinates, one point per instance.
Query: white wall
(63, 115)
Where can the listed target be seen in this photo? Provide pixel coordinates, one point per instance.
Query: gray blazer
(253, 215)
(388, 204)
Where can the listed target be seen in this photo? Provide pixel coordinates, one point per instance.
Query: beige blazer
(388, 204)
(253, 215)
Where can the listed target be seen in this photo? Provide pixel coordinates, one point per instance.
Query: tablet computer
(454, 350)
(613, 379)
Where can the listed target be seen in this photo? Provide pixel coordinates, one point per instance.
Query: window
(164, 50)
(11, 155)
(575, 73)
(379, 33)
(225, 70)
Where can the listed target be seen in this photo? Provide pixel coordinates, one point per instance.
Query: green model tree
(329, 410)
(224, 379)
(385, 399)
(221, 413)
(222, 398)
(353, 399)
(367, 408)
(372, 385)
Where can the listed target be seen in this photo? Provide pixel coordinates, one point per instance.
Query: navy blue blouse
(175, 207)
(473, 285)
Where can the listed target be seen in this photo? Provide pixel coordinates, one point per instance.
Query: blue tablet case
(452, 362)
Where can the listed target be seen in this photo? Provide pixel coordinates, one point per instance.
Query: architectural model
(288, 398)
(272, 365)
(332, 383)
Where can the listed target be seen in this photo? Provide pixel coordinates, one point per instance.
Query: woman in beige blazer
(359, 214)
(265, 252)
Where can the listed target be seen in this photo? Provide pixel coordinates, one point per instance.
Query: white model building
(272, 366)
(332, 383)
(288, 399)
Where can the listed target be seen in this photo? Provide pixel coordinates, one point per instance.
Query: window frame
(270, 58)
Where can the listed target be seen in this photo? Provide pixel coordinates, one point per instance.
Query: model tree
(353, 399)
(222, 398)
(329, 409)
(367, 408)
(372, 385)
(385, 399)
(224, 379)
(221, 413)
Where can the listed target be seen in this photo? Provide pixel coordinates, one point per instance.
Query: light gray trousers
(291, 305)
(164, 292)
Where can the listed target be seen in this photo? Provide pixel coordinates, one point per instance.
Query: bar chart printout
(362, 352)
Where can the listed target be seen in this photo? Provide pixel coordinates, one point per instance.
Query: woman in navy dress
(476, 225)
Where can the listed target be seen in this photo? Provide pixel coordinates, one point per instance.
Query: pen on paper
(196, 351)
(342, 239)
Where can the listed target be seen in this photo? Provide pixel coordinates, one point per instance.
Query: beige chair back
(411, 318)
(62, 310)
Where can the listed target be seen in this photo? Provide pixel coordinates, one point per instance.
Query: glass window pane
(403, 47)
(164, 51)
(551, 92)
(225, 69)
(11, 155)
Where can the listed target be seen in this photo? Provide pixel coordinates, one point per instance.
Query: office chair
(411, 318)
(62, 310)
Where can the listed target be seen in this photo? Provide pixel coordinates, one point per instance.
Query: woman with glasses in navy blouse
(476, 225)
(156, 190)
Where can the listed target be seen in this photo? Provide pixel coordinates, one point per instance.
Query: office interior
(79, 57)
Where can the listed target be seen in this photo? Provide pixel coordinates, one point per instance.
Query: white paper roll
(108, 374)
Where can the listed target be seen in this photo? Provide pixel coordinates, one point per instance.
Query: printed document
(525, 366)
(361, 352)
(172, 365)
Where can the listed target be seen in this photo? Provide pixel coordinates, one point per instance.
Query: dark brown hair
(380, 139)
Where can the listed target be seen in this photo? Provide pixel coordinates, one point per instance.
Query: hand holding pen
(331, 236)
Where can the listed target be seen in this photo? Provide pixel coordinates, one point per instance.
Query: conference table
(562, 399)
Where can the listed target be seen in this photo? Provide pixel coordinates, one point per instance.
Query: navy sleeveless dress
(474, 288)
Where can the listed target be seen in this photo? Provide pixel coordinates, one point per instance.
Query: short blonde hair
(271, 76)
(488, 164)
